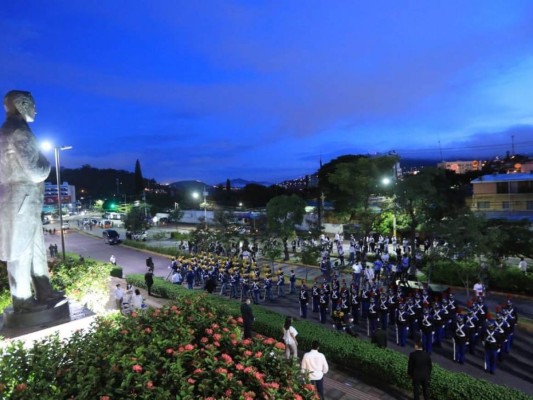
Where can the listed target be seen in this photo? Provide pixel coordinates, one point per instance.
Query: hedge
(349, 352)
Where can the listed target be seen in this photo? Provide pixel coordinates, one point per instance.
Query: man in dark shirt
(149, 280)
(419, 369)
(379, 338)
(248, 318)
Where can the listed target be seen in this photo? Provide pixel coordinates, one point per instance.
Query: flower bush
(192, 350)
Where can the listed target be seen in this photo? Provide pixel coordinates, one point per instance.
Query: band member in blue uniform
(304, 300)
(255, 291)
(315, 294)
(323, 302)
(426, 326)
(401, 325)
(460, 339)
(472, 328)
(292, 282)
(373, 317)
(355, 301)
(490, 343)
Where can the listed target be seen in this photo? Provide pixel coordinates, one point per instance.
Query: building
(68, 195)
(508, 196)
(460, 167)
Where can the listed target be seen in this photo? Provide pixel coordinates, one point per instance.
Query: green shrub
(116, 271)
(85, 281)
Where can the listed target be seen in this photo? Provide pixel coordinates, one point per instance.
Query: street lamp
(58, 182)
(387, 181)
(195, 195)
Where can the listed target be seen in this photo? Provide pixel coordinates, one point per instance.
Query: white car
(139, 236)
(65, 225)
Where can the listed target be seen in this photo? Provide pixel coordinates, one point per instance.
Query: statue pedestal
(57, 310)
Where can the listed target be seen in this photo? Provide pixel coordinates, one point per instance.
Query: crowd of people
(377, 296)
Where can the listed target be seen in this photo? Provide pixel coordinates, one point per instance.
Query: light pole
(205, 206)
(387, 181)
(58, 179)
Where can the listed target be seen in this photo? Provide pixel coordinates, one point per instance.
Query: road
(516, 371)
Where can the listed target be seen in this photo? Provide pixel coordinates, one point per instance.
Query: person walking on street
(289, 337)
(419, 369)
(248, 318)
(113, 259)
(149, 280)
(315, 365)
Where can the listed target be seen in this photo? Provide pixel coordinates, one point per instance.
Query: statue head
(19, 102)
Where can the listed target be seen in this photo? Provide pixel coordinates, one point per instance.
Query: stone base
(58, 310)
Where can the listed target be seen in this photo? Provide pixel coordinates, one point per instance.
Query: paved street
(516, 370)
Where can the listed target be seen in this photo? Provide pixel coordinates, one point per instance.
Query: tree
(350, 181)
(135, 220)
(283, 212)
(138, 180)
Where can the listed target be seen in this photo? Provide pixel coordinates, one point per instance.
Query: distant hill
(199, 185)
(241, 183)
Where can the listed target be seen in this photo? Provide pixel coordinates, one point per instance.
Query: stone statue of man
(23, 169)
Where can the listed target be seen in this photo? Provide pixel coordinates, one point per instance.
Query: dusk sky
(262, 90)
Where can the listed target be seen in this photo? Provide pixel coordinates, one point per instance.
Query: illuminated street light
(387, 181)
(48, 146)
(196, 196)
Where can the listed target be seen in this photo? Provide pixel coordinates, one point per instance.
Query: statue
(23, 169)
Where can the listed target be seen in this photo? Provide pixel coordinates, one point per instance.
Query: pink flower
(225, 329)
(221, 371)
(134, 314)
(198, 371)
(226, 358)
(149, 385)
(217, 336)
(147, 329)
(173, 308)
(208, 331)
(239, 367)
(246, 342)
(191, 381)
(188, 347)
(215, 326)
(228, 393)
(217, 344)
(204, 340)
(310, 387)
(298, 397)
(258, 354)
(233, 336)
(137, 368)
(170, 351)
(247, 353)
(248, 370)
(21, 387)
(280, 346)
(105, 398)
(239, 320)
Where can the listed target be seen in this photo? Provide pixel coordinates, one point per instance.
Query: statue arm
(34, 164)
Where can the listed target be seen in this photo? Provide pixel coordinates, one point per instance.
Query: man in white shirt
(479, 288)
(314, 363)
(522, 265)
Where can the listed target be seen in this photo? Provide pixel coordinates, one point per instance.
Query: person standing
(304, 300)
(289, 336)
(248, 318)
(316, 366)
(149, 280)
(419, 369)
(113, 259)
(522, 265)
(118, 293)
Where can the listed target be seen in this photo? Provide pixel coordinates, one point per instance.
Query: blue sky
(262, 90)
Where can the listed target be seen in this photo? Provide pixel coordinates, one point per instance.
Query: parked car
(139, 236)
(65, 225)
(111, 236)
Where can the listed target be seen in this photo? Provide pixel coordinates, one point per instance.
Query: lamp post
(387, 181)
(58, 180)
(195, 195)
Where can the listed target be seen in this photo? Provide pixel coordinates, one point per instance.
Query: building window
(505, 205)
(483, 205)
(529, 205)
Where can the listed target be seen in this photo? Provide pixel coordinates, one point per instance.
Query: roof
(493, 178)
